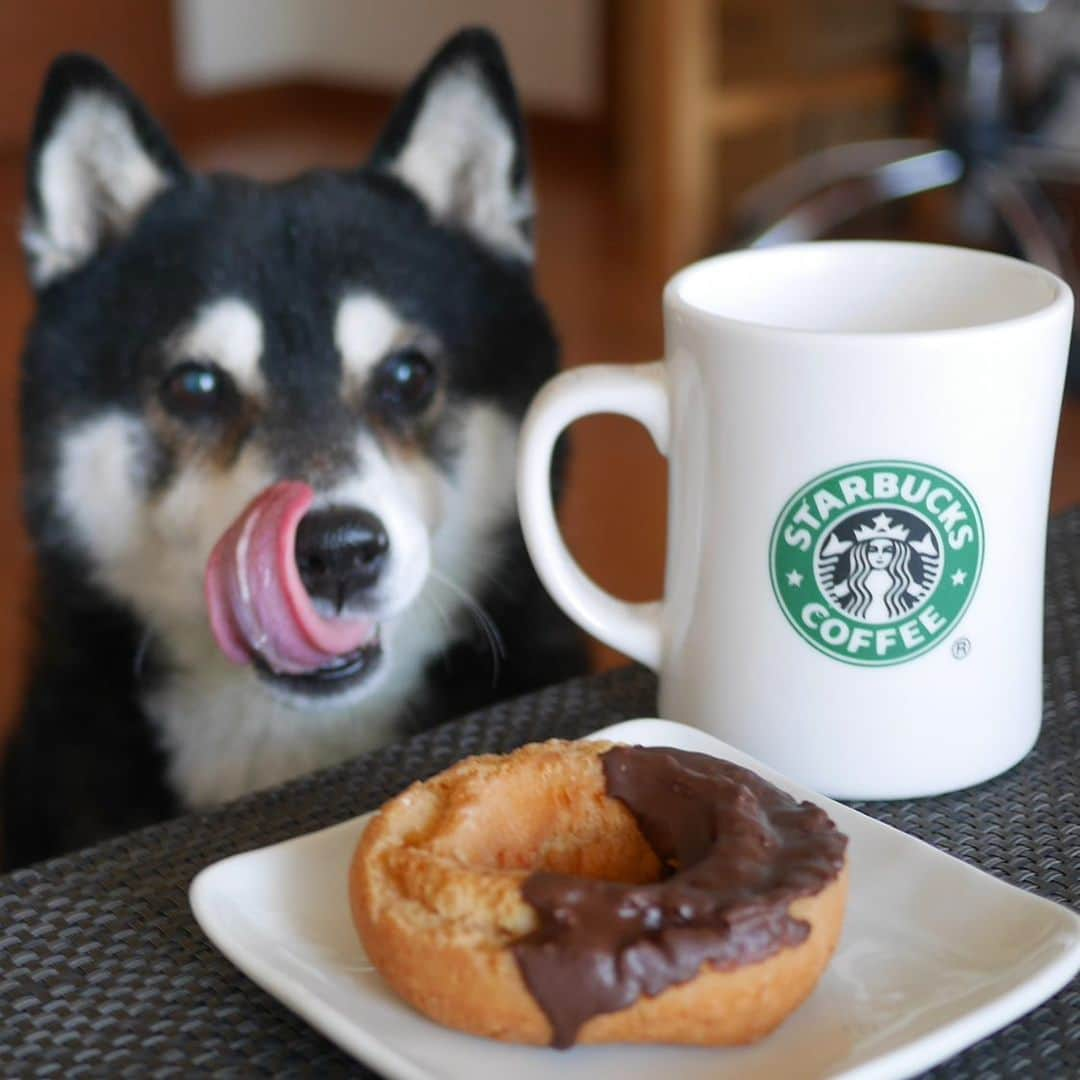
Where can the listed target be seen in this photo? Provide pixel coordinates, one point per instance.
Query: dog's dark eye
(406, 381)
(195, 391)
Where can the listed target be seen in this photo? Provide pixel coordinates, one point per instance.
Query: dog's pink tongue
(257, 602)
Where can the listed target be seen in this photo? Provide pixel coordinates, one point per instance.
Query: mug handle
(640, 392)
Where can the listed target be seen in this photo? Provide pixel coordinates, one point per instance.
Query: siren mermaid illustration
(874, 572)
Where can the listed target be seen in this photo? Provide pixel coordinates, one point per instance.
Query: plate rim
(378, 1054)
(915, 1055)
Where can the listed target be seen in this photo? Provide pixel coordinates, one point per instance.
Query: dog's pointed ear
(456, 139)
(97, 158)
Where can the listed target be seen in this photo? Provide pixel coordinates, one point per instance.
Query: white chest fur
(226, 736)
(225, 733)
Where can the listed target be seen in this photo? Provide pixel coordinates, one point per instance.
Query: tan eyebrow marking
(229, 333)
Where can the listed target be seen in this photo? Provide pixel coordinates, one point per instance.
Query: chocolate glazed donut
(595, 893)
(739, 851)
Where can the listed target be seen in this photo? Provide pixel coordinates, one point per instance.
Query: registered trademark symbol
(961, 647)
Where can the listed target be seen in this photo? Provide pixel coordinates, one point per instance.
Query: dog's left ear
(97, 159)
(457, 140)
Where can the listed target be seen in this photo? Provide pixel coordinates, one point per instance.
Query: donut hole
(451, 858)
(559, 819)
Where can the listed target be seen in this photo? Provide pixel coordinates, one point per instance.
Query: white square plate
(935, 955)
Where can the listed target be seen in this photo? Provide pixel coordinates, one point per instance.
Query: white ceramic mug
(860, 438)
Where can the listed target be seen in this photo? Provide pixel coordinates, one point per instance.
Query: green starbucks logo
(875, 563)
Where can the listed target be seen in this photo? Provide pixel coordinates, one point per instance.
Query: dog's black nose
(340, 552)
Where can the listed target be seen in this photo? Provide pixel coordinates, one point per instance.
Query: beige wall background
(553, 45)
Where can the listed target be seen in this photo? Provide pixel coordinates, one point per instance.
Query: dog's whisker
(439, 610)
(475, 607)
(497, 579)
(484, 620)
(447, 621)
(139, 660)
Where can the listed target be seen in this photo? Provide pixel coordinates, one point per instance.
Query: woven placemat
(103, 971)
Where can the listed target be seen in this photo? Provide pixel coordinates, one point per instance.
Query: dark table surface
(104, 972)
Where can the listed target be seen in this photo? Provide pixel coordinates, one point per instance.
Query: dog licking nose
(259, 605)
(340, 553)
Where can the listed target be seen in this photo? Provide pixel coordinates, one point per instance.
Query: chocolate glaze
(738, 852)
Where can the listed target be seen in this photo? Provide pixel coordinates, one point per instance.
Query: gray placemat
(105, 973)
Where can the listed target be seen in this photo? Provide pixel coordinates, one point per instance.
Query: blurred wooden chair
(694, 75)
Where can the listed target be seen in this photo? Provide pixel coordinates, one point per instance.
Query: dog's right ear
(97, 158)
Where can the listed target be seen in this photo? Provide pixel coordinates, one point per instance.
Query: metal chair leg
(772, 198)
(849, 195)
(1058, 164)
(1025, 213)
(1039, 235)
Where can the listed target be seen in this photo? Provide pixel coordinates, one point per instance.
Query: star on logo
(959, 577)
(794, 578)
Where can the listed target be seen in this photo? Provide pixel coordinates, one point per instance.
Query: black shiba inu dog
(269, 439)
